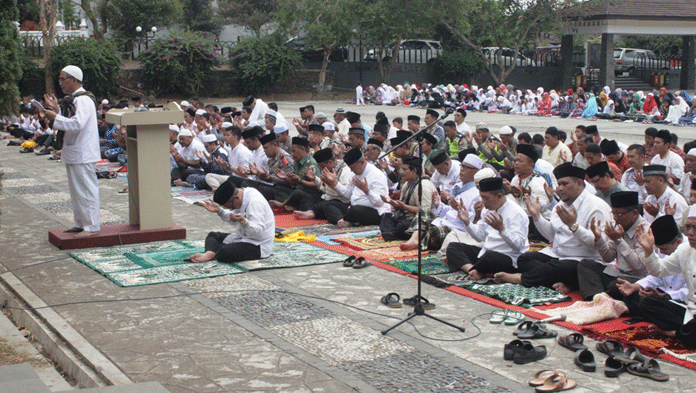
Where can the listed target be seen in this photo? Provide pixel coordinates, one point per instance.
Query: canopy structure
(634, 17)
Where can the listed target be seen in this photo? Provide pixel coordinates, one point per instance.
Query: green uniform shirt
(307, 162)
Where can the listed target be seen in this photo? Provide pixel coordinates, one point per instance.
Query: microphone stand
(418, 310)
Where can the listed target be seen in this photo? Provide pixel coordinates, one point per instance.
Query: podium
(149, 190)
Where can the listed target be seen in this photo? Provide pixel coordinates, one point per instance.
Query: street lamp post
(360, 59)
(147, 36)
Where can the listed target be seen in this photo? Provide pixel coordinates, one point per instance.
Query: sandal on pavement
(542, 375)
(573, 341)
(613, 368)
(513, 318)
(361, 263)
(392, 300)
(523, 327)
(632, 356)
(537, 331)
(498, 316)
(585, 360)
(510, 349)
(648, 369)
(529, 353)
(611, 348)
(348, 262)
(425, 302)
(556, 383)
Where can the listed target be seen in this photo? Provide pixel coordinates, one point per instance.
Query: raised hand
(435, 200)
(625, 287)
(309, 173)
(639, 178)
(463, 215)
(533, 207)
(596, 228)
(645, 239)
(670, 209)
(548, 190)
(651, 209)
(614, 231)
(211, 206)
(568, 217)
(361, 184)
(280, 174)
(329, 177)
(495, 221)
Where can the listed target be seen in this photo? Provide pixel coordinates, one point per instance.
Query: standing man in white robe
(80, 150)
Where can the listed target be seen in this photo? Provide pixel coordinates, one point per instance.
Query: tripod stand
(418, 309)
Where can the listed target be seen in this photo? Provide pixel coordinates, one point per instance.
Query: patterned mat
(288, 221)
(391, 253)
(191, 195)
(648, 341)
(431, 264)
(161, 262)
(367, 242)
(519, 295)
(327, 232)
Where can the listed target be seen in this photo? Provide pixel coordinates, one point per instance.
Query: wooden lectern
(150, 207)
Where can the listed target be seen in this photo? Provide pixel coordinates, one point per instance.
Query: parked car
(410, 51)
(625, 59)
(508, 55)
(338, 54)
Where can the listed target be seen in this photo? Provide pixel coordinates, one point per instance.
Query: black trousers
(362, 215)
(303, 200)
(233, 252)
(332, 210)
(592, 280)
(534, 233)
(541, 270)
(396, 224)
(460, 254)
(669, 316)
(182, 174)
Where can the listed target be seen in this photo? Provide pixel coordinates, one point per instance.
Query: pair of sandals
(551, 381)
(523, 352)
(528, 330)
(506, 317)
(392, 300)
(583, 357)
(630, 360)
(356, 263)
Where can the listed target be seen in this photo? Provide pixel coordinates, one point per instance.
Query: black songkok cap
(224, 193)
(591, 130)
(462, 111)
(300, 141)
(383, 128)
(357, 131)
(609, 147)
(403, 134)
(248, 101)
(399, 139)
(316, 128)
(491, 184)
(352, 117)
(412, 161)
(529, 151)
(433, 113)
(323, 155)
(271, 136)
(225, 109)
(664, 229)
(621, 199)
(654, 170)
(598, 169)
(664, 135)
(439, 158)
(469, 150)
(352, 156)
(568, 170)
(430, 138)
(252, 132)
(373, 141)
(413, 118)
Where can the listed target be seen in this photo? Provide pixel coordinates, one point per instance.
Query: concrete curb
(65, 346)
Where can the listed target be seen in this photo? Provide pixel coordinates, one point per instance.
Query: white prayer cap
(185, 132)
(200, 112)
(271, 112)
(473, 160)
(73, 71)
(485, 173)
(692, 152)
(320, 115)
(692, 211)
(280, 128)
(505, 130)
(481, 126)
(185, 103)
(226, 125)
(208, 138)
(174, 127)
(105, 102)
(329, 126)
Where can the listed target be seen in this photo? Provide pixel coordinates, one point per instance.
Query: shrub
(98, 60)
(456, 64)
(32, 81)
(10, 60)
(260, 63)
(179, 63)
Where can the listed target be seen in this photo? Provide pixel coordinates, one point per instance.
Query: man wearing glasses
(80, 153)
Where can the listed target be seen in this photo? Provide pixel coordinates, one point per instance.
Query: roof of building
(634, 9)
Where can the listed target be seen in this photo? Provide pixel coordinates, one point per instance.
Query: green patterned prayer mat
(518, 295)
(430, 264)
(161, 262)
(458, 279)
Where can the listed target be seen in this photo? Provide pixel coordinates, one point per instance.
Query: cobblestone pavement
(314, 328)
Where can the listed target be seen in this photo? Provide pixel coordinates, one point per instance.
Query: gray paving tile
(40, 189)
(57, 207)
(12, 175)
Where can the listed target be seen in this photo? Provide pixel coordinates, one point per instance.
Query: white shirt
(239, 156)
(684, 187)
(674, 163)
(343, 127)
(512, 241)
(258, 114)
(629, 180)
(81, 141)
(189, 152)
(259, 228)
(463, 129)
(447, 182)
(259, 158)
(581, 244)
(377, 183)
(558, 155)
(580, 161)
(344, 176)
(683, 261)
(536, 185)
(359, 91)
(669, 196)
(449, 217)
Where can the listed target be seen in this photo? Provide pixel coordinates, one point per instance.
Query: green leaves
(260, 63)
(10, 58)
(98, 60)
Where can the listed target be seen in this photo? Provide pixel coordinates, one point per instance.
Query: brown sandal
(538, 380)
(556, 383)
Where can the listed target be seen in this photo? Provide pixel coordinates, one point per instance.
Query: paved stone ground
(303, 329)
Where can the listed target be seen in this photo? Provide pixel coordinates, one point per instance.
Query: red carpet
(288, 221)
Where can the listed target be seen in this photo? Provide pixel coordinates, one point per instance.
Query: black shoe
(389, 236)
(42, 153)
(585, 360)
(27, 150)
(529, 353)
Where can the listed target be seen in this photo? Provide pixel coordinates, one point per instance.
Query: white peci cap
(73, 71)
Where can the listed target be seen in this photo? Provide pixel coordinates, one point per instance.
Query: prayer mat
(288, 221)
(367, 242)
(106, 164)
(293, 255)
(163, 258)
(391, 253)
(519, 295)
(459, 279)
(191, 195)
(534, 247)
(431, 264)
(327, 232)
(173, 273)
(106, 253)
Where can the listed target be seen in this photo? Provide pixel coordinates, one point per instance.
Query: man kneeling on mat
(255, 226)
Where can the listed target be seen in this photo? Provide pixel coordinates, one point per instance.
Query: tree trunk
(87, 7)
(48, 14)
(394, 59)
(324, 66)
